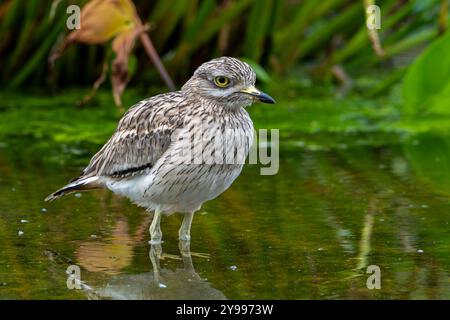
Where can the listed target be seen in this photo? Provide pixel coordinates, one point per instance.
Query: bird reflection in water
(104, 262)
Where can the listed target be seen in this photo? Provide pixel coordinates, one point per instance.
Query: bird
(174, 151)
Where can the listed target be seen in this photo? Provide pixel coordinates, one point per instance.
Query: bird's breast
(212, 139)
(203, 161)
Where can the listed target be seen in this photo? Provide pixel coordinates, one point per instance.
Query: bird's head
(228, 82)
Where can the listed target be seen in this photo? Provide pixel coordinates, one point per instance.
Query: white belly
(185, 189)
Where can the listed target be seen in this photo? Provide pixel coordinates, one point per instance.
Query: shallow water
(309, 232)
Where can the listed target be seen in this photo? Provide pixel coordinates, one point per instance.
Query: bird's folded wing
(144, 133)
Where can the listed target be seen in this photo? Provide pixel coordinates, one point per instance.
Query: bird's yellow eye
(221, 81)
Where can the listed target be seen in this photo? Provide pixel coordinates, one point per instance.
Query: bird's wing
(142, 136)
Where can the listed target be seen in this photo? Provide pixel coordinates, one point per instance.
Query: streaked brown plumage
(145, 158)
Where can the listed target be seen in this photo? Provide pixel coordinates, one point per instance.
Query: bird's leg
(185, 230)
(155, 257)
(155, 228)
(185, 251)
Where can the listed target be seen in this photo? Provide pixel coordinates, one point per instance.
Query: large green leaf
(427, 84)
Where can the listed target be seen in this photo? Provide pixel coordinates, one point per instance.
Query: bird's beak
(261, 96)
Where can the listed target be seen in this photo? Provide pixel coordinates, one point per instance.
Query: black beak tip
(265, 98)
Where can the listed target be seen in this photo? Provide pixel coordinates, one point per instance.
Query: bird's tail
(79, 184)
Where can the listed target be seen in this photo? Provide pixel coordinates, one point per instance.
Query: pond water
(308, 232)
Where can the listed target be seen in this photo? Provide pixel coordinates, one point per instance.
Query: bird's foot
(201, 255)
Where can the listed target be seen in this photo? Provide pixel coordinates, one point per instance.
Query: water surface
(309, 232)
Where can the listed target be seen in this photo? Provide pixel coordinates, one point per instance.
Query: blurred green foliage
(427, 84)
(287, 38)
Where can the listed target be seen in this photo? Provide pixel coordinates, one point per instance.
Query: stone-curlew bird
(174, 151)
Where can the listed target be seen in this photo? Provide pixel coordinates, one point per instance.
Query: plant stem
(154, 57)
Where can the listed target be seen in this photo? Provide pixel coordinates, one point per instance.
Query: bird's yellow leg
(185, 230)
(155, 228)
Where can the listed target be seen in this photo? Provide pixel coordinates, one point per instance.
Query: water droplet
(234, 268)
(420, 251)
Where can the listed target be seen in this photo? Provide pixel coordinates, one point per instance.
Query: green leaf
(426, 86)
